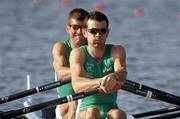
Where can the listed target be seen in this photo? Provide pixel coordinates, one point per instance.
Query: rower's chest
(93, 69)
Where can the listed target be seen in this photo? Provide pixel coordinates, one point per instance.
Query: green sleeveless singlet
(67, 88)
(106, 101)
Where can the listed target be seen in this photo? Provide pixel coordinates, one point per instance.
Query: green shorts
(103, 108)
(65, 89)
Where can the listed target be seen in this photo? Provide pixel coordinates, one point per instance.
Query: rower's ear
(85, 33)
(67, 28)
(107, 32)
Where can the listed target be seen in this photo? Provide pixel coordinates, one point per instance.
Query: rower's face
(96, 33)
(74, 30)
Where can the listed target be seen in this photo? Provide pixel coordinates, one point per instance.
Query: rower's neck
(76, 45)
(96, 53)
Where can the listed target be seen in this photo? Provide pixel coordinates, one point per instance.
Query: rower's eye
(94, 31)
(76, 27)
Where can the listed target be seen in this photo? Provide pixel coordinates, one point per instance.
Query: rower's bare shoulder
(77, 51)
(59, 49)
(59, 45)
(77, 54)
(118, 50)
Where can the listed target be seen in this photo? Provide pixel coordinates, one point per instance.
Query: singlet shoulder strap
(108, 49)
(68, 48)
(107, 52)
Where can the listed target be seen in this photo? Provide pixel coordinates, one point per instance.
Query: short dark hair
(98, 16)
(78, 14)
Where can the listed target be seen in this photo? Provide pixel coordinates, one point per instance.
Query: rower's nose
(79, 30)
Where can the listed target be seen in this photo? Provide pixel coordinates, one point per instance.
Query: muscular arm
(79, 82)
(59, 61)
(119, 58)
(113, 81)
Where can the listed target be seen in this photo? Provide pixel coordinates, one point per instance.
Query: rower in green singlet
(67, 88)
(106, 101)
(61, 52)
(98, 65)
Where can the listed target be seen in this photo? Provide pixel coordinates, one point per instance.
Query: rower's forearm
(64, 73)
(122, 75)
(83, 84)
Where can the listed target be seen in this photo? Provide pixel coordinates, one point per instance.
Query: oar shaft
(156, 112)
(149, 92)
(130, 87)
(167, 116)
(14, 113)
(141, 86)
(33, 91)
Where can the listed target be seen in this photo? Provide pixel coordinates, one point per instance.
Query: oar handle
(33, 91)
(69, 98)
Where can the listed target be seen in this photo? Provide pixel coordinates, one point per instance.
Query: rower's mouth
(79, 37)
